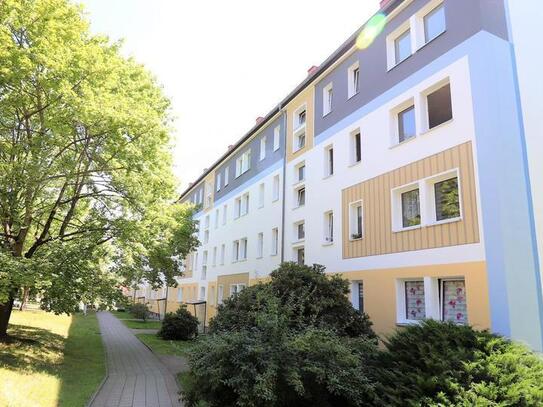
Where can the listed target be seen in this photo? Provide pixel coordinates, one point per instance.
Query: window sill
(299, 129)
(355, 164)
(400, 62)
(275, 200)
(432, 40)
(298, 184)
(353, 95)
(328, 243)
(356, 240)
(298, 207)
(445, 221)
(259, 257)
(408, 322)
(328, 176)
(273, 255)
(403, 142)
(407, 229)
(298, 242)
(326, 114)
(444, 124)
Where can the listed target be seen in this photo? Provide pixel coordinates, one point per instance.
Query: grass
(54, 360)
(122, 315)
(165, 347)
(141, 324)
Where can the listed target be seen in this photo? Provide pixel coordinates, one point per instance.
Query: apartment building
(407, 162)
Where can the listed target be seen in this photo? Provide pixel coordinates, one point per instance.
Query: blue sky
(224, 63)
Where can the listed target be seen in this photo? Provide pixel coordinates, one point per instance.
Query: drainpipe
(283, 206)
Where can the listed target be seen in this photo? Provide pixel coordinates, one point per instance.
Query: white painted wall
(378, 156)
(525, 19)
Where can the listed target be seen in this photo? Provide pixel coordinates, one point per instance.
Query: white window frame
(352, 137)
(217, 218)
(327, 99)
(299, 129)
(235, 251)
(261, 195)
(328, 228)
(297, 195)
(245, 199)
(395, 121)
(297, 167)
(352, 81)
(224, 214)
(223, 254)
(243, 163)
(391, 43)
(237, 207)
(260, 246)
(219, 179)
(214, 258)
(226, 175)
(328, 164)
(419, 26)
(236, 288)
(220, 294)
(262, 148)
(276, 138)
(276, 188)
(296, 237)
(353, 220)
(275, 242)
(397, 209)
(424, 107)
(243, 249)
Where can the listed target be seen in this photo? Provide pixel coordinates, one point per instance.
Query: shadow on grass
(32, 349)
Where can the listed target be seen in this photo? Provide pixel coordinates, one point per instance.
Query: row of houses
(407, 162)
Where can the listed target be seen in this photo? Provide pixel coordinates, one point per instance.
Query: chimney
(385, 3)
(259, 119)
(230, 147)
(312, 70)
(205, 169)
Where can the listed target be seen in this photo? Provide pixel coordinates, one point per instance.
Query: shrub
(437, 363)
(307, 296)
(179, 325)
(270, 364)
(139, 311)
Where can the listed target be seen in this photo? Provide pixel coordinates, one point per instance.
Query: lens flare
(372, 29)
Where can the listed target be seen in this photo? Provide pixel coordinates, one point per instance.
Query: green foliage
(272, 365)
(86, 187)
(179, 325)
(295, 341)
(139, 311)
(445, 364)
(306, 296)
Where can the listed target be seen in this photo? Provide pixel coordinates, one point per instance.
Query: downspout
(283, 205)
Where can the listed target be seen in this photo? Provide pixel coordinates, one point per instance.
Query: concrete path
(136, 377)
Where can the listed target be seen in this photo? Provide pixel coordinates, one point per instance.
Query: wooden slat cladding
(375, 193)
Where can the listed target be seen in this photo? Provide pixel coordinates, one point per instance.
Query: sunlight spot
(372, 29)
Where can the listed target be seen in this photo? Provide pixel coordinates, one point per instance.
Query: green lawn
(162, 347)
(141, 324)
(54, 360)
(122, 315)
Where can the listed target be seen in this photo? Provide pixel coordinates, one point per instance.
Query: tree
(85, 164)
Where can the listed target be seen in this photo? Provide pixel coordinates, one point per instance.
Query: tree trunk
(24, 300)
(5, 314)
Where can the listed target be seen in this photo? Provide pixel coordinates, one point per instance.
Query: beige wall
(306, 97)
(380, 291)
(375, 193)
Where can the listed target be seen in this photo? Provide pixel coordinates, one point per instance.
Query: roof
(385, 6)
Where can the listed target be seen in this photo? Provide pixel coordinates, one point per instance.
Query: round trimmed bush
(179, 325)
(139, 311)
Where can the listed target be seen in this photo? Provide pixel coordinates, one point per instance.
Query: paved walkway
(136, 376)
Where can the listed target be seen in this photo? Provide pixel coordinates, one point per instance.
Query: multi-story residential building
(407, 161)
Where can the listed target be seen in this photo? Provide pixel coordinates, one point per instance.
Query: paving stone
(137, 377)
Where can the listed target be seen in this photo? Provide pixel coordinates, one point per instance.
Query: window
(439, 106)
(447, 202)
(261, 193)
(243, 163)
(245, 204)
(300, 256)
(300, 231)
(415, 307)
(410, 208)
(301, 118)
(219, 182)
(212, 295)
(235, 251)
(243, 249)
(262, 148)
(220, 294)
(402, 46)
(206, 236)
(327, 96)
(236, 288)
(300, 172)
(195, 265)
(354, 79)
(406, 124)
(260, 247)
(226, 174)
(214, 256)
(216, 218)
(275, 241)
(453, 301)
(179, 294)
(434, 23)
(202, 293)
(206, 222)
(356, 219)
(361, 296)
(276, 138)
(300, 196)
(356, 147)
(276, 187)
(329, 227)
(223, 252)
(328, 161)
(224, 214)
(300, 141)
(237, 208)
